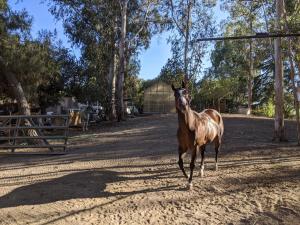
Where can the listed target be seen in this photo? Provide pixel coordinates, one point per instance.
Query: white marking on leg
(202, 171)
(190, 186)
(216, 167)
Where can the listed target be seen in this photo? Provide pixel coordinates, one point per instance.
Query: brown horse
(195, 130)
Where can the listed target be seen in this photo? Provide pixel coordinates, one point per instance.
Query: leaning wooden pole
(292, 76)
(250, 76)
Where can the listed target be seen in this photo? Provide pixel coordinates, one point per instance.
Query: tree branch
(174, 19)
(144, 22)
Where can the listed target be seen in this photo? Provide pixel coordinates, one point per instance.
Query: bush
(267, 109)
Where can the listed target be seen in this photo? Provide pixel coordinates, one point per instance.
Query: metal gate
(35, 131)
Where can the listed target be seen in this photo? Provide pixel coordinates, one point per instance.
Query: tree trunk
(18, 93)
(279, 131)
(186, 47)
(120, 80)
(112, 87)
(292, 76)
(23, 105)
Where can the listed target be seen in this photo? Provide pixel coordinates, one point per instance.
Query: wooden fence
(37, 130)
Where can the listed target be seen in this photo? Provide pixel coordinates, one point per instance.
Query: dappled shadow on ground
(155, 136)
(264, 179)
(111, 167)
(280, 216)
(84, 184)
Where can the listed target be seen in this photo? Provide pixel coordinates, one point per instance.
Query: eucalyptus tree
(289, 24)
(190, 20)
(246, 19)
(279, 131)
(26, 63)
(172, 72)
(228, 62)
(19, 24)
(92, 26)
(108, 32)
(140, 19)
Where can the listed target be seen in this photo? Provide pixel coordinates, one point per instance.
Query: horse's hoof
(189, 186)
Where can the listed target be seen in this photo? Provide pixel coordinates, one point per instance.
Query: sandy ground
(128, 174)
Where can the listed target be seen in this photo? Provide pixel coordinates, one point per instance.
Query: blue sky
(152, 59)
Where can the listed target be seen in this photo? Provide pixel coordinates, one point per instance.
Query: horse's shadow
(86, 184)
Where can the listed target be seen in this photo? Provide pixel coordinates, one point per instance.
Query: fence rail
(33, 129)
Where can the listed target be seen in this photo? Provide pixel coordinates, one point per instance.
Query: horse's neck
(186, 119)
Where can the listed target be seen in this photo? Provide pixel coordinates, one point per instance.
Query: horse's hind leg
(217, 149)
(202, 149)
(180, 161)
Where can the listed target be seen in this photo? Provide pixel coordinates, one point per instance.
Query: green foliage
(172, 72)
(95, 26)
(35, 62)
(212, 91)
(200, 24)
(135, 91)
(267, 109)
(289, 109)
(230, 59)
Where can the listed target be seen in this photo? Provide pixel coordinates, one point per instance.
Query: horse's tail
(221, 124)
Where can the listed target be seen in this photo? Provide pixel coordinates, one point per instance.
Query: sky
(151, 59)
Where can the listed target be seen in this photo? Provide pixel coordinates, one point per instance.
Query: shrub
(267, 109)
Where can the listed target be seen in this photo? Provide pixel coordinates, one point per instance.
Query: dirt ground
(128, 174)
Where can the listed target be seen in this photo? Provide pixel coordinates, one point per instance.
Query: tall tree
(109, 32)
(292, 71)
(279, 131)
(245, 20)
(122, 49)
(19, 22)
(191, 20)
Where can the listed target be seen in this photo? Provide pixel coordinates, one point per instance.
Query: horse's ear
(183, 84)
(173, 88)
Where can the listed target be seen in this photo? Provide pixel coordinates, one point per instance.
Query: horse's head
(182, 98)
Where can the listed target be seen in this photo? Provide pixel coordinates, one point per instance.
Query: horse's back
(216, 116)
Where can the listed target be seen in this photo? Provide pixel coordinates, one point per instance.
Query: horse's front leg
(180, 161)
(192, 166)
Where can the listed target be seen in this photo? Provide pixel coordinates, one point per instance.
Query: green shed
(159, 98)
